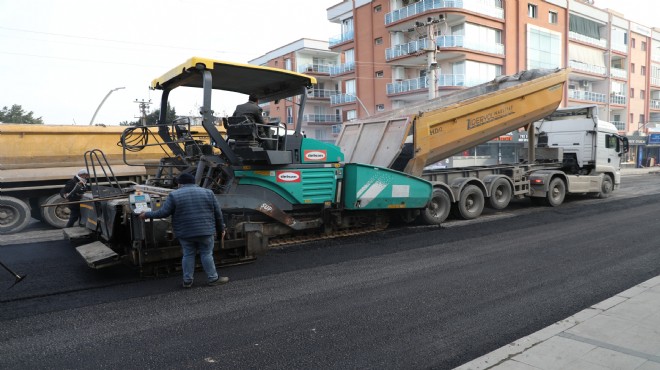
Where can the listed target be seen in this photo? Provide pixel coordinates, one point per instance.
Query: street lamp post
(103, 101)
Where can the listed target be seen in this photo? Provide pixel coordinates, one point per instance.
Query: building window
(644, 45)
(352, 114)
(632, 43)
(641, 119)
(287, 64)
(378, 9)
(336, 129)
(632, 67)
(642, 94)
(544, 48)
(380, 74)
(553, 18)
(532, 10)
(378, 41)
(642, 70)
(380, 107)
(632, 93)
(632, 118)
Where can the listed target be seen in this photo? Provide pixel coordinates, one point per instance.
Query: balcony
(344, 37)
(623, 48)
(485, 7)
(314, 68)
(409, 48)
(321, 94)
(655, 81)
(620, 125)
(451, 80)
(655, 104)
(617, 99)
(322, 118)
(342, 68)
(619, 73)
(407, 85)
(589, 68)
(458, 41)
(587, 95)
(342, 99)
(587, 40)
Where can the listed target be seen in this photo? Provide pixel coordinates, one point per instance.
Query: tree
(16, 114)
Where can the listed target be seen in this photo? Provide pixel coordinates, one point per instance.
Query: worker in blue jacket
(196, 217)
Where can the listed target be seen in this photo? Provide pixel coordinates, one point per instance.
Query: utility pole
(431, 51)
(144, 111)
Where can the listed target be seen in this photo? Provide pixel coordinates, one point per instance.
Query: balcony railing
(485, 7)
(458, 41)
(321, 94)
(451, 80)
(620, 125)
(409, 48)
(617, 99)
(344, 37)
(655, 81)
(620, 47)
(655, 56)
(316, 68)
(322, 118)
(587, 95)
(618, 73)
(407, 85)
(590, 68)
(342, 99)
(586, 39)
(655, 104)
(342, 68)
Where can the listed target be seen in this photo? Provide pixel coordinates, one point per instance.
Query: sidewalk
(622, 332)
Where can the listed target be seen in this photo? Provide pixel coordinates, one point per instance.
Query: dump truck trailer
(37, 160)
(574, 152)
(277, 186)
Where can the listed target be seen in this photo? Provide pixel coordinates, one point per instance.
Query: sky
(60, 58)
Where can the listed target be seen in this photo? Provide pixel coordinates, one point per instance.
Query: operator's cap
(83, 172)
(185, 178)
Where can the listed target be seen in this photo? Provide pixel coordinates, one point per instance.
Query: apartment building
(393, 52)
(320, 120)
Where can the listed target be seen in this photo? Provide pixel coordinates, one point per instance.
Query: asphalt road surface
(406, 298)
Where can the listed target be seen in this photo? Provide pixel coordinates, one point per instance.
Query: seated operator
(250, 109)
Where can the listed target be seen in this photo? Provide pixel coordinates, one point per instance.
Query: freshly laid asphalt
(622, 332)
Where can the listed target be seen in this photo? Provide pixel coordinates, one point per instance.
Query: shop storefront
(636, 155)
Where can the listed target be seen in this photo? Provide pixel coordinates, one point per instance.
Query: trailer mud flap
(98, 255)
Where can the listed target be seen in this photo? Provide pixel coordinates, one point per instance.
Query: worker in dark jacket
(196, 216)
(73, 191)
(250, 109)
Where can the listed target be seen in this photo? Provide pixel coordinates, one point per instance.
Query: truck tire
(56, 216)
(556, 192)
(500, 195)
(14, 215)
(606, 187)
(471, 203)
(438, 209)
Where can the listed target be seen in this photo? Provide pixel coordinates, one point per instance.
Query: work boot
(187, 284)
(219, 281)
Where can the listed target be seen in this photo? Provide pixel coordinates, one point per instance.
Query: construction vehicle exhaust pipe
(18, 277)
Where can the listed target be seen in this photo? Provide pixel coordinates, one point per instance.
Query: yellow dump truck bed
(449, 124)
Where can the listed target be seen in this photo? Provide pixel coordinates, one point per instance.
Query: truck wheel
(55, 216)
(556, 192)
(606, 187)
(471, 203)
(438, 209)
(14, 215)
(500, 195)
